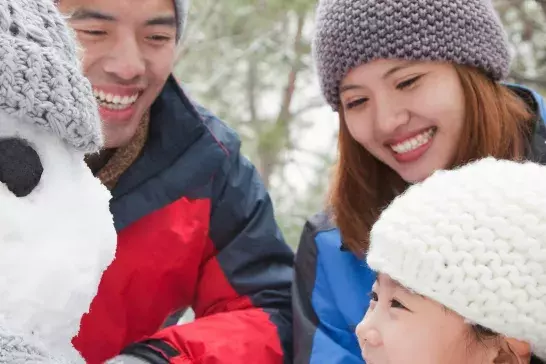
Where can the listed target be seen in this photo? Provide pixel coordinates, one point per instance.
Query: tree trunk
(270, 150)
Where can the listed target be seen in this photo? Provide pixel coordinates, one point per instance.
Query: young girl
(462, 270)
(417, 88)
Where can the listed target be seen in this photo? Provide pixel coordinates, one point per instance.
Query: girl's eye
(407, 83)
(396, 304)
(373, 296)
(356, 103)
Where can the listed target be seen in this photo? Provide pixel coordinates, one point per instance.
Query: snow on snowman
(56, 231)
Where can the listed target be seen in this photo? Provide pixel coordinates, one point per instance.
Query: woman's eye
(407, 83)
(373, 296)
(396, 304)
(356, 103)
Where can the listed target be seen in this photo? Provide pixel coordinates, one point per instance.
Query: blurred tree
(525, 21)
(249, 61)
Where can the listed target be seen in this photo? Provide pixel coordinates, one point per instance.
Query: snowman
(56, 231)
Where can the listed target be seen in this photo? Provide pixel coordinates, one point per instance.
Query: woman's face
(403, 327)
(409, 115)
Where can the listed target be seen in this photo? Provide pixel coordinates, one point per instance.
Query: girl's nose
(367, 334)
(373, 338)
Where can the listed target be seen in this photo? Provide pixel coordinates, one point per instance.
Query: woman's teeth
(114, 102)
(413, 143)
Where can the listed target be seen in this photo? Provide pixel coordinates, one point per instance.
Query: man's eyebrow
(167, 20)
(88, 14)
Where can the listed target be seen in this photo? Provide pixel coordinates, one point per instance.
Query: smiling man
(195, 223)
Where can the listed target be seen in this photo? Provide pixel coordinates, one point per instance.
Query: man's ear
(512, 351)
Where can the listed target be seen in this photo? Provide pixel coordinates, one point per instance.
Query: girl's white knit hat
(474, 240)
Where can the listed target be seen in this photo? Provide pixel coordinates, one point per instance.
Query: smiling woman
(380, 99)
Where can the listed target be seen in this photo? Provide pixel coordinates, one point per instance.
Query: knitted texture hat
(181, 7)
(40, 77)
(474, 240)
(353, 32)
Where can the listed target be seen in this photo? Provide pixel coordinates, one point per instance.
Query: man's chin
(117, 134)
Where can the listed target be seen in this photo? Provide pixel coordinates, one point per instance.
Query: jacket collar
(536, 150)
(174, 126)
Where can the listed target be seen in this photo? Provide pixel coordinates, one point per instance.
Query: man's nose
(126, 60)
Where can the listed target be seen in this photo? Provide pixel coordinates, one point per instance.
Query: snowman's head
(56, 231)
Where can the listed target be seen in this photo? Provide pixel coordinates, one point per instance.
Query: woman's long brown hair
(497, 123)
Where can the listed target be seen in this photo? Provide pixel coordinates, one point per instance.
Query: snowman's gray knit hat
(40, 74)
(354, 32)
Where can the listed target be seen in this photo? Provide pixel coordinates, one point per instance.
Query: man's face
(129, 50)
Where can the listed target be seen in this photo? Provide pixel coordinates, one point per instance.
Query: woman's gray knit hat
(40, 76)
(353, 32)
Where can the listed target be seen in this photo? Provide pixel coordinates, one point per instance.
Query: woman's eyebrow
(397, 68)
(345, 88)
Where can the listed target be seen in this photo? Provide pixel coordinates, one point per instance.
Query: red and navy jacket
(195, 229)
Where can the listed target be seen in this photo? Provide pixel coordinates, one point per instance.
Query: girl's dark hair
(482, 334)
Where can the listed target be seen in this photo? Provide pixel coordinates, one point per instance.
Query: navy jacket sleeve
(319, 336)
(242, 301)
(252, 252)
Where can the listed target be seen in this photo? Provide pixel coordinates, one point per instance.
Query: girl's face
(403, 327)
(409, 115)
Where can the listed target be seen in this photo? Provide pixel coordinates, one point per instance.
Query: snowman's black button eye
(20, 166)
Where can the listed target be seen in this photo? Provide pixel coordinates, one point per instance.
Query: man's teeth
(410, 144)
(114, 101)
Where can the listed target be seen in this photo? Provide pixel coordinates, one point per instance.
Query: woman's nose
(390, 120)
(390, 114)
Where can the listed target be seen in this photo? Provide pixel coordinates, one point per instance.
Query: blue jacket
(331, 286)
